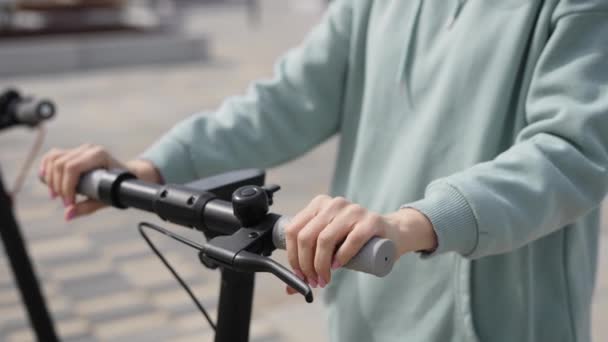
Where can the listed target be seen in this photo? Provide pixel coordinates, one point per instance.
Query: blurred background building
(121, 73)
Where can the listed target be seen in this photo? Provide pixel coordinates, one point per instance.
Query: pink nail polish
(312, 283)
(53, 194)
(322, 282)
(41, 173)
(70, 214)
(335, 265)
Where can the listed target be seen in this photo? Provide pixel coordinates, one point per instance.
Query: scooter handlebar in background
(16, 109)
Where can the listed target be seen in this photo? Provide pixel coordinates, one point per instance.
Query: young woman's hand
(61, 169)
(330, 231)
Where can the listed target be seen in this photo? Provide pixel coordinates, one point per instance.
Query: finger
(48, 168)
(44, 160)
(74, 168)
(362, 232)
(290, 290)
(59, 170)
(82, 208)
(331, 236)
(307, 238)
(296, 224)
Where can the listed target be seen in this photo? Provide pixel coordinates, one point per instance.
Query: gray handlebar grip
(376, 257)
(31, 112)
(89, 183)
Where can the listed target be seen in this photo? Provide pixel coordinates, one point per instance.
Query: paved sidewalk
(102, 281)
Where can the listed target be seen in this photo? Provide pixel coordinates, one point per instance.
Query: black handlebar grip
(376, 257)
(31, 112)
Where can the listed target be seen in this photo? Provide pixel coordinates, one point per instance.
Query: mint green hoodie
(490, 117)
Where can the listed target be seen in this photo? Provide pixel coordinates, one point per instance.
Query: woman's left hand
(330, 231)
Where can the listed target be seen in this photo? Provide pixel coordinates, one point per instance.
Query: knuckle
(59, 164)
(71, 167)
(356, 209)
(98, 151)
(320, 199)
(357, 237)
(291, 233)
(305, 240)
(340, 201)
(374, 219)
(325, 239)
(336, 203)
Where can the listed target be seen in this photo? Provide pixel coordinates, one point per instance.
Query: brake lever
(213, 256)
(250, 261)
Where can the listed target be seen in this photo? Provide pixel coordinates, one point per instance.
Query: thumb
(82, 208)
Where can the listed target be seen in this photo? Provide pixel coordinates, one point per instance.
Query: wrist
(414, 231)
(144, 170)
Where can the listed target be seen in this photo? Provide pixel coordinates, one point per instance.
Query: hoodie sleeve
(556, 172)
(277, 120)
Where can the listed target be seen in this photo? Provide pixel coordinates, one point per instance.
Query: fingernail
(53, 194)
(70, 213)
(322, 282)
(66, 203)
(312, 283)
(41, 173)
(335, 265)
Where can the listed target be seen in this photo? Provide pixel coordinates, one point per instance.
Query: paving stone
(186, 308)
(126, 250)
(95, 285)
(115, 234)
(195, 282)
(150, 272)
(13, 318)
(120, 312)
(9, 297)
(23, 335)
(72, 328)
(65, 258)
(175, 296)
(128, 326)
(59, 248)
(104, 303)
(193, 323)
(157, 334)
(80, 338)
(80, 268)
(267, 338)
(195, 336)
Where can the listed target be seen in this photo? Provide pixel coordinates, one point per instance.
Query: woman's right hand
(61, 169)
